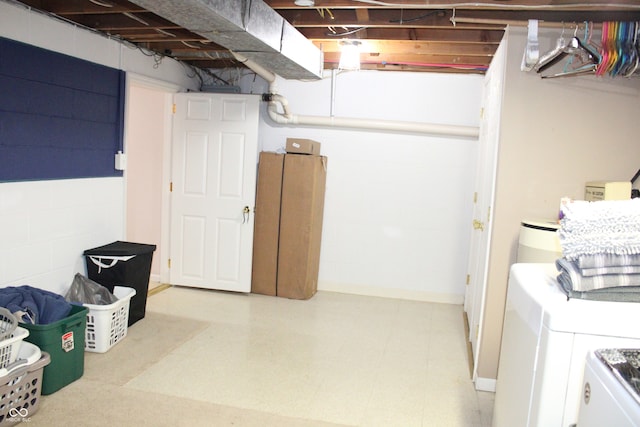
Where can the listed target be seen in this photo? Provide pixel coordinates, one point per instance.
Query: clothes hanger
(635, 56)
(548, 57)
(577, 49)
(586, 69)
(620, 56)
(630, 53)
(610, 51)
(604, 58)
(621, 49)
(586, 41)
(573, 48)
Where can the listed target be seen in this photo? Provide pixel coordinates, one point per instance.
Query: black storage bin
(123, 264)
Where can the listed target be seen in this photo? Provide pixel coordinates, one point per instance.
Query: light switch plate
(121, 161)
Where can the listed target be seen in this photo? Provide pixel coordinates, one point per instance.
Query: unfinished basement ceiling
(407, 35)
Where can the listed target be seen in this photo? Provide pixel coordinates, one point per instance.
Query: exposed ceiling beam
(252, 29)
(533, 5)
(402, 31)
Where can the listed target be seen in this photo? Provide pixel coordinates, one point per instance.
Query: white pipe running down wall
(286, 117)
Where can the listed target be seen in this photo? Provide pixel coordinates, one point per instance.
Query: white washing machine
(610, 389)
(545, 342)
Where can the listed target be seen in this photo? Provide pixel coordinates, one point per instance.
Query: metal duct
(248, 27)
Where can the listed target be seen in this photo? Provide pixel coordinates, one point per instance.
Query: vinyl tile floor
(335, 359)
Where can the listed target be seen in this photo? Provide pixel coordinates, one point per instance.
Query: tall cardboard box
(267, 224)
(301, 213)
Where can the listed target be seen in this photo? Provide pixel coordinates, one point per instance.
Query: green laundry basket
(64, 341)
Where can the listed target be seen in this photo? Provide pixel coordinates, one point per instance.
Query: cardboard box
(301, 215)
(303, 146)
(288, 225)
(267, 224)
(607, 190)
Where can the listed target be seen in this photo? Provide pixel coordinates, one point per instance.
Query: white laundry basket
(107, 324)
(10, 346)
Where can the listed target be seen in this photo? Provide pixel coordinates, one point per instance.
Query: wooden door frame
(497, 71)
(168, 89)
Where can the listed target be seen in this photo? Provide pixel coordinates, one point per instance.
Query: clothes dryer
(610, 391)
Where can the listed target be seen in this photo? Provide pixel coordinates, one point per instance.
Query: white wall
(46, 225)
(555, 135)
(398, 206)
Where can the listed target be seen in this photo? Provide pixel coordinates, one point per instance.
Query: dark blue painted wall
(60, 116)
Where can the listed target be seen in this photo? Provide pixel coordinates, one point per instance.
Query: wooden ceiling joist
(414, 35)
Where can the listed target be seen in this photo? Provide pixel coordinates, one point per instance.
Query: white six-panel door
(478, 264)
(213, 172)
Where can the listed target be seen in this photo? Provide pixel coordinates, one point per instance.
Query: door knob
(477, 225)
(245, 214)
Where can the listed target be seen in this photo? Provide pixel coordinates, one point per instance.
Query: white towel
(603, 227)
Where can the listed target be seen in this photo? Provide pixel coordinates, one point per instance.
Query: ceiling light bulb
(305, 3)
(349, 55)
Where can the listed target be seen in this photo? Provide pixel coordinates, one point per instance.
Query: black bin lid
(120, 248)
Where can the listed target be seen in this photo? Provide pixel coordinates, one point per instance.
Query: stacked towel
(604, 227)
(592, 265)
(601, 249)
(571, 278)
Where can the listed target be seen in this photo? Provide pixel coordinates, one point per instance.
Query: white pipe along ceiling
(286, 117)
(260, 38)
(367, 124)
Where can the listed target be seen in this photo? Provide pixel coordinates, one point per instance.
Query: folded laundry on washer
(607, 260)
(34, 305)
(593, 265)
(621, 269)
(617, 294)
(570, 278)
(602, 227)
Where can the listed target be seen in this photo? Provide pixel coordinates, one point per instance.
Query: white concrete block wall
(46, 225)
(398, 206)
